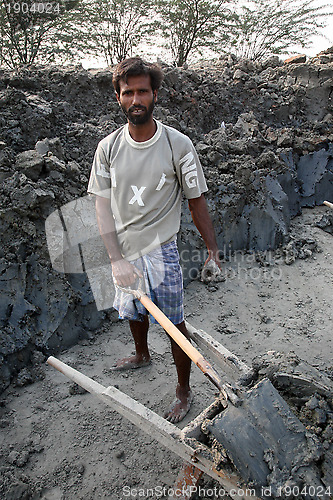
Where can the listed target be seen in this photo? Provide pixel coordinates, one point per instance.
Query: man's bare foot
(131, 363)
(180, 407)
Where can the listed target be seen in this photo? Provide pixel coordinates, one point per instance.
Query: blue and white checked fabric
(163, 283)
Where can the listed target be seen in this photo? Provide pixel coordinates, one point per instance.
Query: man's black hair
(135, 66)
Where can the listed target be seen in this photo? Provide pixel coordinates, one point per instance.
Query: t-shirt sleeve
(100, 176)
(189, 170)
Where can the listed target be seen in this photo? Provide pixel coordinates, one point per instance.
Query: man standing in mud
(138, 175)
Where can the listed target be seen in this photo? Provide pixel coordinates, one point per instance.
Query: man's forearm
(107, 229)
(203, 222)
(123, 271)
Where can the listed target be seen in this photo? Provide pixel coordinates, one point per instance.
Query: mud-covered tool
(272, 451)
(265, 439)
(257, 428)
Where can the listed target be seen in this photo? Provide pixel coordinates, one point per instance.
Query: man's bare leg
(141, 358)
(181, 405)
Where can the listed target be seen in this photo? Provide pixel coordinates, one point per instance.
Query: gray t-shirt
(144, 181)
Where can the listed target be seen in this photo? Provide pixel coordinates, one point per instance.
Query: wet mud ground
(60, 444)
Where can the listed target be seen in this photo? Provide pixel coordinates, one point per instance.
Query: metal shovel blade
(262, 435)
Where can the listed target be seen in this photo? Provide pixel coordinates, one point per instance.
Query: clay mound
(262, 131)
(246, 438)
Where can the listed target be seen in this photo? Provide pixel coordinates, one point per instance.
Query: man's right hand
(124, 272)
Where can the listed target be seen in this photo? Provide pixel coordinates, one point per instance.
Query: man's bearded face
(139, 114)
(137, 99)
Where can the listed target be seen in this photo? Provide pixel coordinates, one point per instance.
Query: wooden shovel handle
(328, 204)
(182, 341)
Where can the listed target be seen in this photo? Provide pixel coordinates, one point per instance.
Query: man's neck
(142, 133)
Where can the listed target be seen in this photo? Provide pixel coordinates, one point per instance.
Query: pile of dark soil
(263, 133)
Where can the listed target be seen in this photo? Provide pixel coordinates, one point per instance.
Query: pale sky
(319, 43)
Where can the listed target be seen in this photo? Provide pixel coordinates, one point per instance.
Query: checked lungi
(162, 282)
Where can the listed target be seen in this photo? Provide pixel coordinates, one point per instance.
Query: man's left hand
(212, 271)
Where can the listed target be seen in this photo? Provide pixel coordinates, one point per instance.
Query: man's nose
(136, 98)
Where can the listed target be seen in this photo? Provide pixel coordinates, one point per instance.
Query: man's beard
(140, 119)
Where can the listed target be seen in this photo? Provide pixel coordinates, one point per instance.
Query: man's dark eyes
(129, 92)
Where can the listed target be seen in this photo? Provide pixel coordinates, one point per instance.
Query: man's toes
(131, 363)
(167, 415)
(177, 411)
(175, 419)
(170, 417)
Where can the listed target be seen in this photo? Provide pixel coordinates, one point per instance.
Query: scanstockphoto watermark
(235, 264)
(186, 492)
(219, 492)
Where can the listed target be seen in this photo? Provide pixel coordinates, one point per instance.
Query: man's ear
(155, 95)
(117, 96)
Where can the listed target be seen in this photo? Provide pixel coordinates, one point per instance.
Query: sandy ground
(58, 444)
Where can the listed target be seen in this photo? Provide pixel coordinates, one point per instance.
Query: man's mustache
(134, 108)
